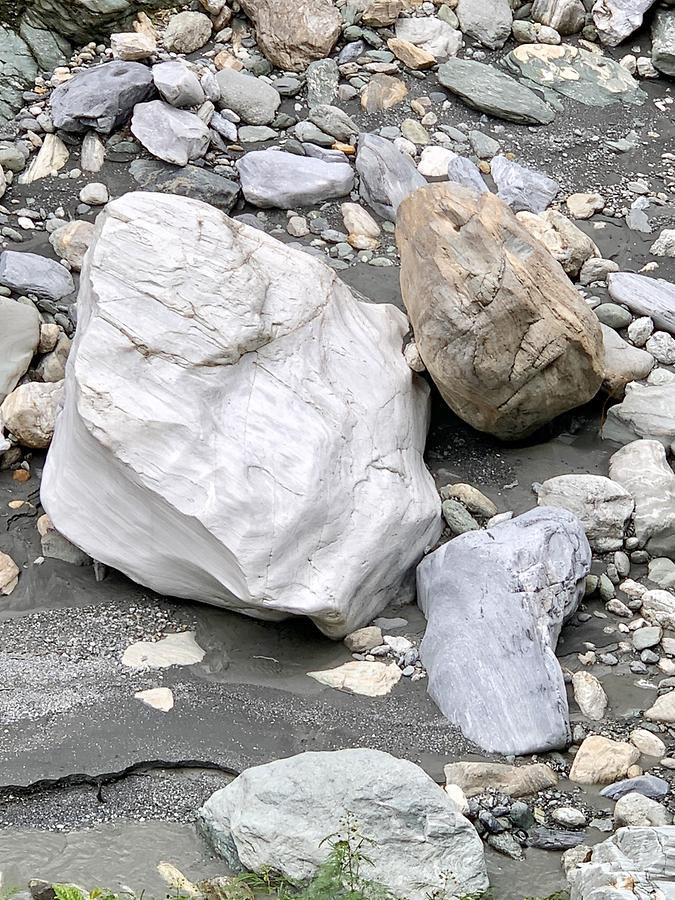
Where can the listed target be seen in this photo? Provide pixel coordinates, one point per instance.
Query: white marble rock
(653, 297)
(239, 429)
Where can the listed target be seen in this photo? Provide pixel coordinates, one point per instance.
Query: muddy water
(125, 855)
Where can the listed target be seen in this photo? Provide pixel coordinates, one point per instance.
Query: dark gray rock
(522, 188)
(48, 48)
(186, 181)
(485, 88)
(495, 602)
(274, 178)
(84, 20)
(28, 273)
(554, 839)
(101, 98)
(648, 785)
(387, 175)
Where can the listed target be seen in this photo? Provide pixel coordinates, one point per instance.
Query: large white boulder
(238, 428)
(278, 816)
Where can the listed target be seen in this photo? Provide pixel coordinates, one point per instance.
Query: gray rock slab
(174, 135)
(101, 98)
(17, 72)
(495, 602)
(253, 99)
(28, 273)
(274, 178)
(186, 181)
(653, 297)
(387, 175)
(277, 816)
(177, 84)
(642, 468)
(624, 363)
(522, 188)
(19, 337)
(485, 88)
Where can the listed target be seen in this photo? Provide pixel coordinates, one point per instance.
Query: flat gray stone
(177, 84)
(387, 175)
(395, 803)
(653, 297)
(174, 135)
(101, 98)
(495, 602)
(485, 21)
(522, 188)
(274, 178)
(487, 89)
(186, 181)
(19, 338)
(322, 77)
(28, 273)
(590, 78)
(332, 120)
(648, 785)
(254, 100)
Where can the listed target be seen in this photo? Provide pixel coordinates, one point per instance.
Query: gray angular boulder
(387, 175)
(254, 100)
(28, 273)
(101, 98)
(274, 178)
(177, 84)
(186, 181)
(643, 470)
(522, 188)
(663, 41)
(174, 135)
(487, 89)
(485, 21)
(462, 170)
(19, 337)
(277, 816)
(495, 602)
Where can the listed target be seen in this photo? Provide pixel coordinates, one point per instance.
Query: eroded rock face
(500, 328)
(508, 591)
(615, 20)
(292, 33)
(277, 815)
(222, 338)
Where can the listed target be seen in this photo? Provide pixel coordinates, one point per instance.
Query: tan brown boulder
(516, 781)
(503, 332)
(292, 33)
